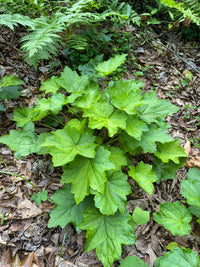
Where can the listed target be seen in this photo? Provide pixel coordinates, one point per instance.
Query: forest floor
(23, 228)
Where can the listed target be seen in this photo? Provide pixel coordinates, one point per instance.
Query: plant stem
(14, 174)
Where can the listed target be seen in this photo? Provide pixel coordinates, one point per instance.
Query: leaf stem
(14, 174)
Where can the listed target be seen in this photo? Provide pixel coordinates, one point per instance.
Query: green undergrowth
(104, 133)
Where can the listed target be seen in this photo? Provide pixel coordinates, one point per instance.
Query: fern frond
(187, 12)
(42, 42)
(11, 20)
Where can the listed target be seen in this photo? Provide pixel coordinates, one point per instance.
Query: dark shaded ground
(25, 229)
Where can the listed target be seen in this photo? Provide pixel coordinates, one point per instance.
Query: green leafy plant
(9, 88)
(175, 216)
(107, 127)
(132, 261)
(39, 197)
(178, 257)
(2, 219)
(47, 33)
(190, 10)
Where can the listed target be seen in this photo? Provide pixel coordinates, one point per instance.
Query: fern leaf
(42, 42)
(187, 12)
(11, 20)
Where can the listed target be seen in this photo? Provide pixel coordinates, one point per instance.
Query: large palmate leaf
(107, 67)
(125, 95)
(148, 142)
(174, 217)
(102, 115)
(9, 87)
(170, 151)
(84, 173)
(117, 157)
(106, 234)
(151, 137)
(9, 92)
(191, 187)
(89, 68)
(72, 82)
(91, 96)
(50, 86)
(66, 209)
(167, 170)
(22, 141)
(9, 80)
(53, 104)
(132, 261)
(72, 140)
(135, 127)
(114, 195)
(22, 116)
(178, 257)
(153, 108)
(143, 175)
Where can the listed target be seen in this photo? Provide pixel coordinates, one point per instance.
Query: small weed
(2, 219)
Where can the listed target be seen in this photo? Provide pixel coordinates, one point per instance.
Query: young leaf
(107, 67)
(65, 144)
(84, 173)
(153, 108)
(140, 216)
(178, 257)
(66, 209)
(22, 141)
(132, 261)
(191, 187)
(39, 197)
(106, 234)
(114, 195)
(170, 151)
(125, 95)
(174, 217)
(143, 175)
(102, 115)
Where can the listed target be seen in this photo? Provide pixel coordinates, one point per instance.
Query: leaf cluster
(102, 128)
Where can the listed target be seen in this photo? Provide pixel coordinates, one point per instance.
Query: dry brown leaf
(25, 209)
(193, 162)
(187, 147)
(5, 258)
(27, 262)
